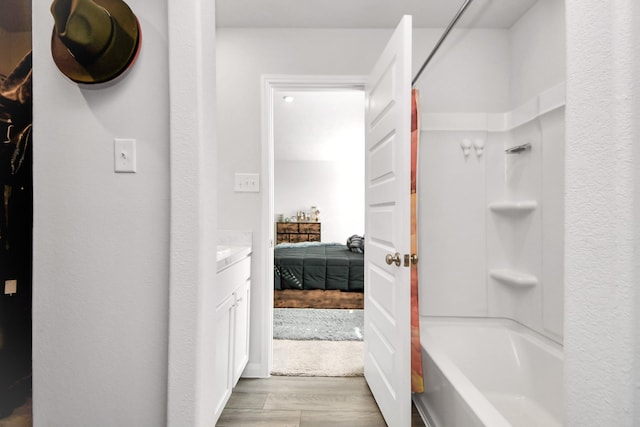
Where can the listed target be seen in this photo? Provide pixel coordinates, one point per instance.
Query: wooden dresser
(293, 232)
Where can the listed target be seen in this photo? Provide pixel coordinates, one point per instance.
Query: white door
(387, 365)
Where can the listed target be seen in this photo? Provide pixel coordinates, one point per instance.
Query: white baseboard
(255, 370)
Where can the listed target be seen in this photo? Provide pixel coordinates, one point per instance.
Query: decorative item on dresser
(294, 232)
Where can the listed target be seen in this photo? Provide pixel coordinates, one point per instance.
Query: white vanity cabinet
(231, 329)
(241, 330)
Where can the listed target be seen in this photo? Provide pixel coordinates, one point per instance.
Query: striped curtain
(417, 381)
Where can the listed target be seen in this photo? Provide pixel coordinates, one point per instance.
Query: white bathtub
(489, 372)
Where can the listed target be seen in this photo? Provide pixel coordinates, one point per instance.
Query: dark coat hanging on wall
(16, 225)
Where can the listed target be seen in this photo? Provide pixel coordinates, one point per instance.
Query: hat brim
(116, 58)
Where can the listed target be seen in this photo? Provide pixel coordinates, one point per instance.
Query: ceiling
(366, 13)
(318, 124)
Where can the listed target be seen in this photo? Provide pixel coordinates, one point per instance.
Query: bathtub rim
(549, 344)
(483, 409)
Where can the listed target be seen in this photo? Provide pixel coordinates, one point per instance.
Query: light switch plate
(10, 287)
(247, 183)
(124, 155)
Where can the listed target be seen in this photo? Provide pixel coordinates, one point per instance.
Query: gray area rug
(318, 324)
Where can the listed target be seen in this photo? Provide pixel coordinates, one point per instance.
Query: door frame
(270, 84)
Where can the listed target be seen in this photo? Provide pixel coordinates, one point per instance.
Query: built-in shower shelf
(514, 278)
(523, 206)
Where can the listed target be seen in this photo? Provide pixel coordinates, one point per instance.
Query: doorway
(16, 214)
(319, 204)
(313, 136)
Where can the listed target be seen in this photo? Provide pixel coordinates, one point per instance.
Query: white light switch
(124, 152)
(247, 183)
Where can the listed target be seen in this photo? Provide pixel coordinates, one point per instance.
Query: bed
(315, 265)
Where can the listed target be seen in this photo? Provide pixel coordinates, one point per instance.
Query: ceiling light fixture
(288, 99)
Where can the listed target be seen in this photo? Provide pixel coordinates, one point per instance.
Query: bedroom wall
(336, 187)
(246, 54)
(318, 159)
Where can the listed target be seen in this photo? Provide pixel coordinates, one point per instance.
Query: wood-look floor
(305, 402)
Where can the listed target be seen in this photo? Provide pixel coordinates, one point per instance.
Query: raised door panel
(241, 332)
(223, 353)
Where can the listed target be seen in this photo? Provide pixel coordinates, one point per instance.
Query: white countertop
(227, 255)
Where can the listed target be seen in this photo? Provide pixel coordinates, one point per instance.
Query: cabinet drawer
(310, 227)
(295, 238)
(233, 276)
(287, 227)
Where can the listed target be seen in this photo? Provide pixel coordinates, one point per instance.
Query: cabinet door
(241, 333)
(223, 353)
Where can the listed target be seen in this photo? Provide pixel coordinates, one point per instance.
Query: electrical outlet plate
(246, 183)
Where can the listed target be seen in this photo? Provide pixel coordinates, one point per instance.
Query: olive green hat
(94, 41)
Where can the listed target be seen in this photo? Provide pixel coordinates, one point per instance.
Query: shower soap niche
(514, 278)
(523, 206)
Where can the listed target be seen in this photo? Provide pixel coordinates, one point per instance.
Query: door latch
(410, 260)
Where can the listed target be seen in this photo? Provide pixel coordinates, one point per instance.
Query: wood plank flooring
(304, 402)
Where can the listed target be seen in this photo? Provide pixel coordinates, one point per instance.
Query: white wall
(467, 75)
(246, 54)
(529, 242)
(538, 51)
(553, 127)
(101, 240)
(192, 384)
(538, 67)
(462, 238)
(602, 235)
(452, 210)
(336, 187)
(319, 159)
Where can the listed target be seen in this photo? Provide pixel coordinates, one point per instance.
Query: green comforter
(318, 267)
